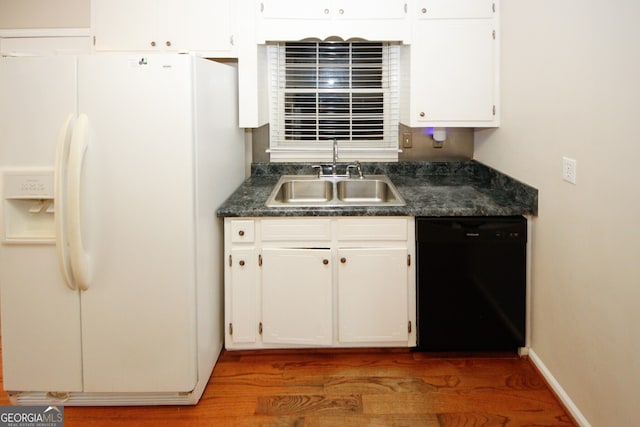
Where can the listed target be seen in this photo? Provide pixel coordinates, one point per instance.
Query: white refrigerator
(111, 170)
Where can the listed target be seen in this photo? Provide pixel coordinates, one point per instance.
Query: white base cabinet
(320, 282)
(243, 293)
(372, 295)
(296, 296)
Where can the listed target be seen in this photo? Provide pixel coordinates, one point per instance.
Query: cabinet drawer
(242, 231)
(298, 229)
(372, 229)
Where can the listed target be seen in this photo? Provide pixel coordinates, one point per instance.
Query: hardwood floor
(354, 388)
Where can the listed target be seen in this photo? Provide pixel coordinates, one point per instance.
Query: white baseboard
(557, 388)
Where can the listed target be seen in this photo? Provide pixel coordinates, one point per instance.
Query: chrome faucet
(334, 164)
(334, 168)
(358, 167)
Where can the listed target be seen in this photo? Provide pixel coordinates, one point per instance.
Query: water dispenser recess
(28, 206)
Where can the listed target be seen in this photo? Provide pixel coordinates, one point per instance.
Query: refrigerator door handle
(60, 190)
(80, 260)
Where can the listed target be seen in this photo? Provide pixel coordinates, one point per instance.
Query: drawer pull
(343, 260)
(241, 263)
(241, 233)
(325, 261)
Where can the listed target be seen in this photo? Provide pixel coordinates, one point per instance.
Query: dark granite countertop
(466, 188)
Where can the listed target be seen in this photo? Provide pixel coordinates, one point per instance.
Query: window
(333, 90)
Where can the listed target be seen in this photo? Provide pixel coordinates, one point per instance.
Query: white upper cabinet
(454, 9)
(450, 70)
(286, 20)
(332, 9)
(206, 27)
(449, 57)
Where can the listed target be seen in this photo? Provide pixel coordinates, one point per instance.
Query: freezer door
(137, 219)
(40, 315)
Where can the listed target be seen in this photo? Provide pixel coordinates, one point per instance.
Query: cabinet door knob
(341, 11)
(343, 260)
(422, 114)
(325, 261)
(241, 263)
(241, 233)
(168, 43)
(153, 44)
(424, 10)
(326, 11)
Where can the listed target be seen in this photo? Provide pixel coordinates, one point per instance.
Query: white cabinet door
(242, 307)
(291, 20)
(332, 9)
(454, 9)
(201, 25)
(122, 25)
(295, 9)
(164, 25)
(372, 295)
(451, 65)
(297, 296)
(366, 9)
(454, 71)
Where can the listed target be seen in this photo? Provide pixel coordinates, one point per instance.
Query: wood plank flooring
(354, 388)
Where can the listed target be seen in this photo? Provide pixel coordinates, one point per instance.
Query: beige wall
(457, 146)
(19, 14)
(571, 87)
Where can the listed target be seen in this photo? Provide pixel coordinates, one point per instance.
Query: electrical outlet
(569, 169)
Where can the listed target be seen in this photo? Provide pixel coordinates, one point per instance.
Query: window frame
(282, 149)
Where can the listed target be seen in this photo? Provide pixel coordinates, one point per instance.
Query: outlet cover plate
(569, 169)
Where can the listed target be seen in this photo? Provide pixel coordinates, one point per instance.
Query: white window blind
(334, 90)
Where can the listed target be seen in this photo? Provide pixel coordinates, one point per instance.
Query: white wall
(17, 14)
(571, 87)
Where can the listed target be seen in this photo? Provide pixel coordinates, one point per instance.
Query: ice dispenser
(28, 206)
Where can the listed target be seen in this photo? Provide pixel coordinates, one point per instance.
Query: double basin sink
(334, 190)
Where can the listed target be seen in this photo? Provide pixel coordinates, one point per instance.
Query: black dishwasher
(471, 283)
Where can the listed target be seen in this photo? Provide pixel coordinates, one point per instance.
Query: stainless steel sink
(330, 190)
(304, 191)
(373, 191)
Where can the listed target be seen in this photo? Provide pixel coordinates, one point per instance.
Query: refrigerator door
(138, 223)
(41, 339)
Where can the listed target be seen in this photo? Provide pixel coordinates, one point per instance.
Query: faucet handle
(319, 168)
(358, 168)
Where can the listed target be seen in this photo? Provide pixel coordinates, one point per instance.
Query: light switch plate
(569, 169)
(407, 140)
